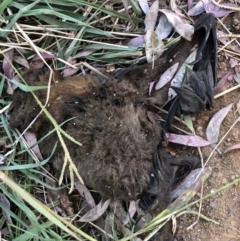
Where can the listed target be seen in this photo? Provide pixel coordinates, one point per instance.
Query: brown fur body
(121, 154)
(109, 120)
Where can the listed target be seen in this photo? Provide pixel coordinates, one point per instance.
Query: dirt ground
(223, 207)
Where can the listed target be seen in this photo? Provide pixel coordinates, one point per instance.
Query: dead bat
(121, 155)
(197, 89)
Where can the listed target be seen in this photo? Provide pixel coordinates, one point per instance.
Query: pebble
(212, 204)
(224, 180)
(229, 212)
(199, 128)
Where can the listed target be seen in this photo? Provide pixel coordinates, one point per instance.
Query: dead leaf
(44, 56)
(197, 9)
(137, 42)
(7, 64)
(21, 60)
(233, 62)
(4, 201)
(132, 208)
(225, 41)
(151, 16)
(167, 76)
(216, 11)
(8, 70)
(144, 5)
(84, 53)
(83, 190)
(153, 118)
(154, 46)
(85, 207)
(151, 84)
(233, 147)
(164, 28)
(236, 78)
(69, 71)
(96, 212)
(190, 4)
(184, 29)
(108, 224)
(195, 141)
(222, 81)
(31, 139)
(213, 128)
(119, 211)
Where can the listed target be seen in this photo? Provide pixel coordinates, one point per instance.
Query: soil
(223, 207)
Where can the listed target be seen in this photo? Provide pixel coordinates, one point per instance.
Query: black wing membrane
(197, 90)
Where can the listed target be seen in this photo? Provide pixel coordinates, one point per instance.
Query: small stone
(199, 128)
(229, 212)
(233, 177)
(224, 180)
(212, 204)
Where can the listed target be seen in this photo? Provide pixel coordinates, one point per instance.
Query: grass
(62, 29)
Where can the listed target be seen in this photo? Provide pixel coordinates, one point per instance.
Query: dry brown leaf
(154, 46)
(184, 29)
